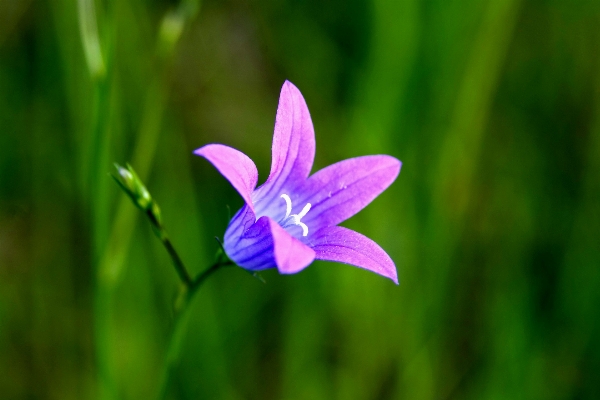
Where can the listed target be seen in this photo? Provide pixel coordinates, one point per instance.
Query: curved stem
(204, 275)
(181, 321)
(129, 181)
(183, 273)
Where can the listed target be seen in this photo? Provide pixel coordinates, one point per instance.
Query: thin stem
(204, 275)
(111, 256)
(129, 181)
(184, 275)
(161, 233)
(187, 291)
(181, 320)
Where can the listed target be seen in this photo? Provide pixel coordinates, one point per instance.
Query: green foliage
(493, 106)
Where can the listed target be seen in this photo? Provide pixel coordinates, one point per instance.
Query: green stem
(183, 273)
(111, 256)
(188, 290)
(181, 321)
(129, 181)
(161, 233)
(203, 276)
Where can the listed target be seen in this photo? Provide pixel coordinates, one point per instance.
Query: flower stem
(188, 290)
(128, 180)
(161, 233)
(184, 275)
(222, 261)
(182, 318)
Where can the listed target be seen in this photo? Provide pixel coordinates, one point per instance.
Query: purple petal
(343, 189)
(235, 166)
(293, 145)
(241, 222)
(291, 255)
(343, 245)
(264, 244)
(253, 249)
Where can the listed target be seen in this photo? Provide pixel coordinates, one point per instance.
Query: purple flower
(292, 218)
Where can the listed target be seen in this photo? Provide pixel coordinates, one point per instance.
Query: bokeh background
(494, 221)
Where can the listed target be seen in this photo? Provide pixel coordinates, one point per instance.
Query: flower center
(294, 219)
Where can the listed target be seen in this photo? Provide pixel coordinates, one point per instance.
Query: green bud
(133, 186)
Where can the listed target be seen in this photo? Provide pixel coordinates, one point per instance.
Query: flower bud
(133, 186)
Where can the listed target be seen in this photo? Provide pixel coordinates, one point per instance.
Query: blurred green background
(494, 221)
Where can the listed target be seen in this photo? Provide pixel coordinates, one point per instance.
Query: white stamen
(304, 228)
(288, 204)
(304, 211)
(295, 218)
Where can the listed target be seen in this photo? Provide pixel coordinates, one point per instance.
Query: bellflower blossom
(292, 218)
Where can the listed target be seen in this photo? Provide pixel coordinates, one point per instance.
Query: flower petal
(241, 222)
(235, 166)
(264, 244)
(250, 244)
(343, 245)
(291, 255)
(343, 189)
(293, 145)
